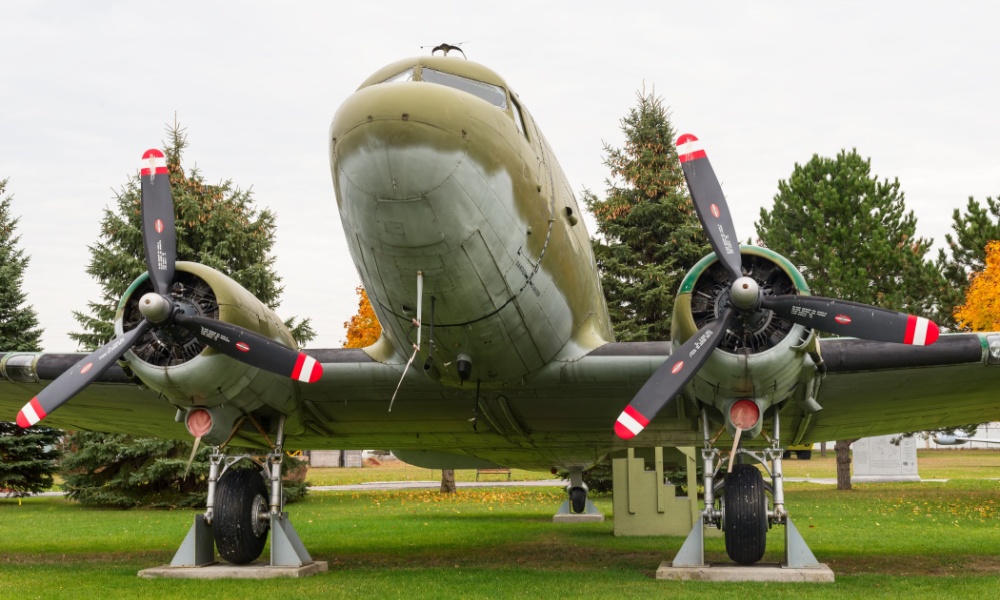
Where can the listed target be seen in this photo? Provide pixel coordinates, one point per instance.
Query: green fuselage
(439, 169)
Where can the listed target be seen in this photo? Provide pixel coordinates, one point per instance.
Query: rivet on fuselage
(406, 116)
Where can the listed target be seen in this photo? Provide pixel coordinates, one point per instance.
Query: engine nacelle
(173, 362)
(763, 358)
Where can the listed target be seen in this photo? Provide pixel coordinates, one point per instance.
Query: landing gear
(577, 508)
(243, 505)
(743, 511)
(241, 520)
(578, 500)
(744, 514)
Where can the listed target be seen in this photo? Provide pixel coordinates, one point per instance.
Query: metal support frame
(287, 549)
(797, 552)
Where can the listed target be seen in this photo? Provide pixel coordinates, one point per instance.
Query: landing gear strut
(243, 505)
(742, 512)
(577, 507)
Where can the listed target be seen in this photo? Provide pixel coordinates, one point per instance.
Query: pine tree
(967, 255)
(19, 331)
(649, 233)
(851, 236)
(363, 329)
(217, 225)
(27, 456)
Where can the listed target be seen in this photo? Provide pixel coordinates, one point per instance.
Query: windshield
(495, 95)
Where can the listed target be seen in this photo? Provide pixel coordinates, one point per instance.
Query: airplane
(944, 439)
(497, 347)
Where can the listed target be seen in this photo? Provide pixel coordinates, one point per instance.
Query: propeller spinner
(160, 246)
(826, 314)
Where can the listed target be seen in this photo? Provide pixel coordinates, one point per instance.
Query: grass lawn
(896, 540)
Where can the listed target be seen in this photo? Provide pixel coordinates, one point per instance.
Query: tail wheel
(745, 514)
(240, 522)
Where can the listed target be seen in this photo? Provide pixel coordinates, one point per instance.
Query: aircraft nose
(398, 141)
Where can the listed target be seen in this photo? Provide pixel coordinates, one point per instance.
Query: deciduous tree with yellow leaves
(363, 329)
(981, 311)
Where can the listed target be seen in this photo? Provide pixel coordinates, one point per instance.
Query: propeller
(840, 317)
(158, 309)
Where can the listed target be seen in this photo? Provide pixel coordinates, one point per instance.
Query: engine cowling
(763, 358)
(171, 361)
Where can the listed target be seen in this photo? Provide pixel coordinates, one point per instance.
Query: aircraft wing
(565, 412)
(874, 388)
(118, 403)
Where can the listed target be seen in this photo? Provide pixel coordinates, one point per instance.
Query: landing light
(744, 414)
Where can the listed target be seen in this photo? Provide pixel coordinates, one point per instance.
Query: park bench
(498, 471)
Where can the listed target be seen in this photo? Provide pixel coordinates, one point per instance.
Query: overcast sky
(86, 87)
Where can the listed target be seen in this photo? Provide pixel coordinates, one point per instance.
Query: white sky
(86, 87)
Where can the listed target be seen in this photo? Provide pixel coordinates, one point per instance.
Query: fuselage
(440, 170)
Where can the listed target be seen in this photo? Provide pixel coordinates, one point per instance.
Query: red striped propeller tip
(307, 369)
(689, 148)
(921, 331)
(30, 414)
(630, 423)
(153, 162)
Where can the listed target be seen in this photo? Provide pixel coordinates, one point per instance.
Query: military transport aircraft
(497, 347)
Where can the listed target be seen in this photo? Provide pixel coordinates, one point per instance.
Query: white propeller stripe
(689, 147)
(307, 368)
(29, 413)
(154, 161)
(920, 332)
(630, 423)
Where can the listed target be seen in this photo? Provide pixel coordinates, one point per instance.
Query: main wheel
(803, 454)
(240, 522)
(745, 514)
(578, 500)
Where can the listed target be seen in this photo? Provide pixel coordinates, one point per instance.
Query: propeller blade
(854, 320)
(660, 389)
(252, 348)
(78, 377)
(159, 237)
(710, 203)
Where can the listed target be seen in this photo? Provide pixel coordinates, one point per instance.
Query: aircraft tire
(240, 499)
(803, 454)
(745, 514)
(578, 500)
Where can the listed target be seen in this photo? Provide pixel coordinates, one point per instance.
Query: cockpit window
(406, 75)
(495, 95)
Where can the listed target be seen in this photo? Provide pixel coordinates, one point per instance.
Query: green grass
(897, 540)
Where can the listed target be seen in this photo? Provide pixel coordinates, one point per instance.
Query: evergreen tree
(27, 456)
(217, 225)
(972, 232)
(649, 233)
(19, 331)
(851, 236)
